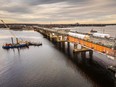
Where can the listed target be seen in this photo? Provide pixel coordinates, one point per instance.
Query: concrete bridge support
(60, 40)
(75, 46)
(91, 55)
(48, 36)
(83, 54)
(68, 46)
(51, 37)
(63, 43)
(82, 51)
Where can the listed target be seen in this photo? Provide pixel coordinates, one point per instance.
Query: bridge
(104, 46)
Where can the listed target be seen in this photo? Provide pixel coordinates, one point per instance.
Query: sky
(58, 11)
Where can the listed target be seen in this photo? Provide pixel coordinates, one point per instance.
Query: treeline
(20, 25)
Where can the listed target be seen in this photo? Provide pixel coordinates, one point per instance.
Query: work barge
(20, 44)
(62, 37)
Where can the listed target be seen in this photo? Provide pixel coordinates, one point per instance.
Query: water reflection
(89, 68)
(93, 71)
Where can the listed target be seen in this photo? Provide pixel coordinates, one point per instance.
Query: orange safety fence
(94, 46)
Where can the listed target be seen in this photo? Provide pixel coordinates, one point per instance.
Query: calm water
(44, 66)
(107, 29)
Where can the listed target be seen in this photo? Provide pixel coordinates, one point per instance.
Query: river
(43, 66)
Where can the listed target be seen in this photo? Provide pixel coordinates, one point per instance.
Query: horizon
(58, 11)
(62, 23)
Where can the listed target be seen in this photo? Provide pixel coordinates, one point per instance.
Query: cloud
(44, 11)
(38, 2)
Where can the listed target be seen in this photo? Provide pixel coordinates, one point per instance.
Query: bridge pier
(63, 42)
(68, 46)
(83, 54)
(54, 41)
(51, 37)
(75, 46)
(46, 34)
(82, 51)
(60, 45)
(43, 33)
(60, 40)
(91, 55)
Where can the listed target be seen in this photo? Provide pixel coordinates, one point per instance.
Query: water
(107, 30)
(44, 66)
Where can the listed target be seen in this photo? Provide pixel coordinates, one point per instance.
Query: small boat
(93, 31)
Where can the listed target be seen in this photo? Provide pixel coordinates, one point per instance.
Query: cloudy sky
(58, 11)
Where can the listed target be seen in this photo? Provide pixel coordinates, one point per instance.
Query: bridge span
(102, 45)
(107, 47)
